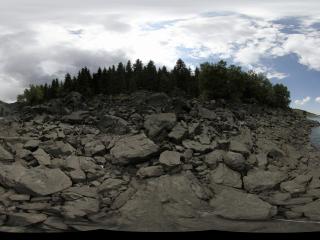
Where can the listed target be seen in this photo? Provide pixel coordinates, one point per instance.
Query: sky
(43, 39)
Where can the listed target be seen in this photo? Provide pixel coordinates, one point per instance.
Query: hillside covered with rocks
(149, 162)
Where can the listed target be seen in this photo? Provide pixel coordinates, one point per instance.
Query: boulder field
(150, 162)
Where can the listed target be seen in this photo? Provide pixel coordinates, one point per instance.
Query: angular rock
(197, 147)
(239, 147)
(42, 157)
(110, 184)
(32, 145)
(161, 202)
(57, 223)
(123, 198)
(260, 180)
(133, 149)
(214, 158)
(113, 124)
(74, 193)
(292, 187)
(19, 197)
(58, 148)
(25, 219)
(80, 207)
(262, 160)
(310, 210)
(170, 159)
(152, 171)
(36, 182)
(78, 176)
(5, 155)
(225, 176)
(178, 133)
(234, 204)
(95, 148)
(157, 124)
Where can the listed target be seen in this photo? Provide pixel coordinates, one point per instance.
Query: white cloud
(303, 101)
(317, 99)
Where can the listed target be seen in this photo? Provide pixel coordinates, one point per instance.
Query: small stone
(178, 133)
(147, 172)
(110, 184)
(214, 158)
(32, 145)
(42, 157)
(170, 159)
(292, 215)
(292, 187)
(19, 197)
(77, 176)
(197, 147)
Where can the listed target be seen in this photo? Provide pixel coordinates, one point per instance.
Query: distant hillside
(307, 114)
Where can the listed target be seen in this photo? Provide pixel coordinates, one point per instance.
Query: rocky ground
(147, 162)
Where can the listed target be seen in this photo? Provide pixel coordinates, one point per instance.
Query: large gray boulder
(113, 124)
(237, 205)
(235, 161)
(36, 181)
(167, 203)
(259, 180)
(225, 176)
(310, 210)
(158, 124)
(58, 148)
(133, 149)
(94, 148)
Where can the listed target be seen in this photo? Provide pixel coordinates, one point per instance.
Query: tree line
(210, 81)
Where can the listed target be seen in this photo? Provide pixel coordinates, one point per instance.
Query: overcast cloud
(42, 39)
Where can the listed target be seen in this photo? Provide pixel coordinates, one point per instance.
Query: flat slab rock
(36, 181)
(237, 205)
(133, 149)
(163, 204)
(259, 180)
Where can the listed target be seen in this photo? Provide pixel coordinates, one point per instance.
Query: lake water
(315, 134)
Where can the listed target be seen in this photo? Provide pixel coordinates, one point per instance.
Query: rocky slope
(148, 162)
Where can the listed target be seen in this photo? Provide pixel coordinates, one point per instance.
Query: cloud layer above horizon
(42, 39)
